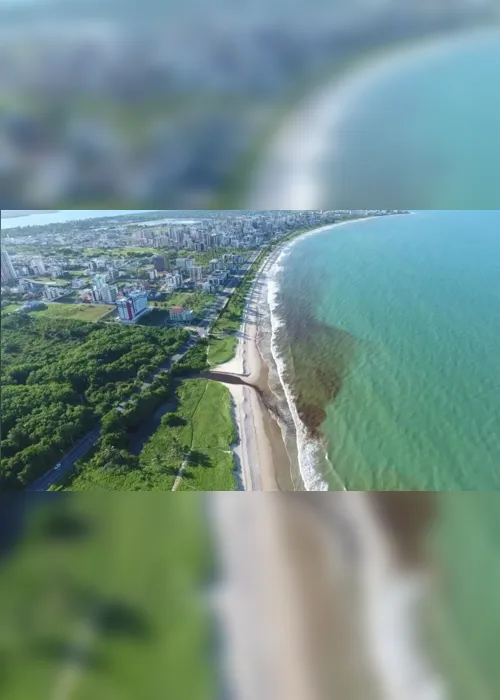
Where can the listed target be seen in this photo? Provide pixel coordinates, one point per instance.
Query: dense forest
(60, 377)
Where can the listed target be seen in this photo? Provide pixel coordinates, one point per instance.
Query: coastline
(273, 451)
(293, 178)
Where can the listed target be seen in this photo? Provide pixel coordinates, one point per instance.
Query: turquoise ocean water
(416, 301)
(424, 134)
(419, 295)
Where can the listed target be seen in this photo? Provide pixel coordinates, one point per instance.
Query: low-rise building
(180, 315)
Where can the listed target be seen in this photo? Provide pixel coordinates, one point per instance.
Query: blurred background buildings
(113, 103)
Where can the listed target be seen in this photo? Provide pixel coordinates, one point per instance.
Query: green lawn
(11, 308)
(78, 312)
(209, 433)
(53, 281)
(102, 597)
(202, 426)
(222, 350)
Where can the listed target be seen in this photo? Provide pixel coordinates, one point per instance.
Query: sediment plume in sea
(307, 362)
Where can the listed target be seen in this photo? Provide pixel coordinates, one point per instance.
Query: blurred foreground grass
(101, 599)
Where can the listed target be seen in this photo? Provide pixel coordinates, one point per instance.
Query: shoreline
(299, 170)
(263, 461)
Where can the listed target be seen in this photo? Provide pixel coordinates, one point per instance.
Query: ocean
(386, 335)
(422, 134)
(387, 332)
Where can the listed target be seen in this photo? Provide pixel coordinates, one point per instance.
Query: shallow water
(422, 135)
(391, 331)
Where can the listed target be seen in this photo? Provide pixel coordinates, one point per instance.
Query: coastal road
(67, 463)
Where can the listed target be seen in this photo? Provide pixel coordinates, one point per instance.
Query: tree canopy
(59, 377)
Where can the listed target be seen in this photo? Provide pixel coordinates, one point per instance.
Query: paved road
(67, 462)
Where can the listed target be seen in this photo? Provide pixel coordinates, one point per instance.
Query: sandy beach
(313, 602)
(263, 461)
(261, 455)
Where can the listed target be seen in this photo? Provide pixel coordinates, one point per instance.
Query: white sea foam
(310, 452)
(308, 449)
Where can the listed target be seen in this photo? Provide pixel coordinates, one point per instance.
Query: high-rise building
(8, 272)
(195, 272)
(158, 262)
(112, 273)
(109, 294)
(132, 306)
(38, 266)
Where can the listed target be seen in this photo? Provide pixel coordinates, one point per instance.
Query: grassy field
(209, 433)
(200, 430)
(78, 312)
(222, 350)
(120, 252)
(101, 598)
(11, 308)
(55, 282)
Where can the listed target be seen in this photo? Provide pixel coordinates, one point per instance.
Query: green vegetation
(198, 434)
(77, 312)
(195, 360)
(60, 376)
(79, 273)
(196, 301)
(11, 308)
(221, 349)
(128, 252)
(56, 282)
(118, 580)
(208, 435)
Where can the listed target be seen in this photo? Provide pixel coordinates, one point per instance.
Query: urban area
(167, 104)
(110, 328)
(163, 271)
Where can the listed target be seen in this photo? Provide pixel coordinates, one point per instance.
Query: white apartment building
(109, 294)
(196, 272)
(38, 266)
(51, 292)
(8, 272)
